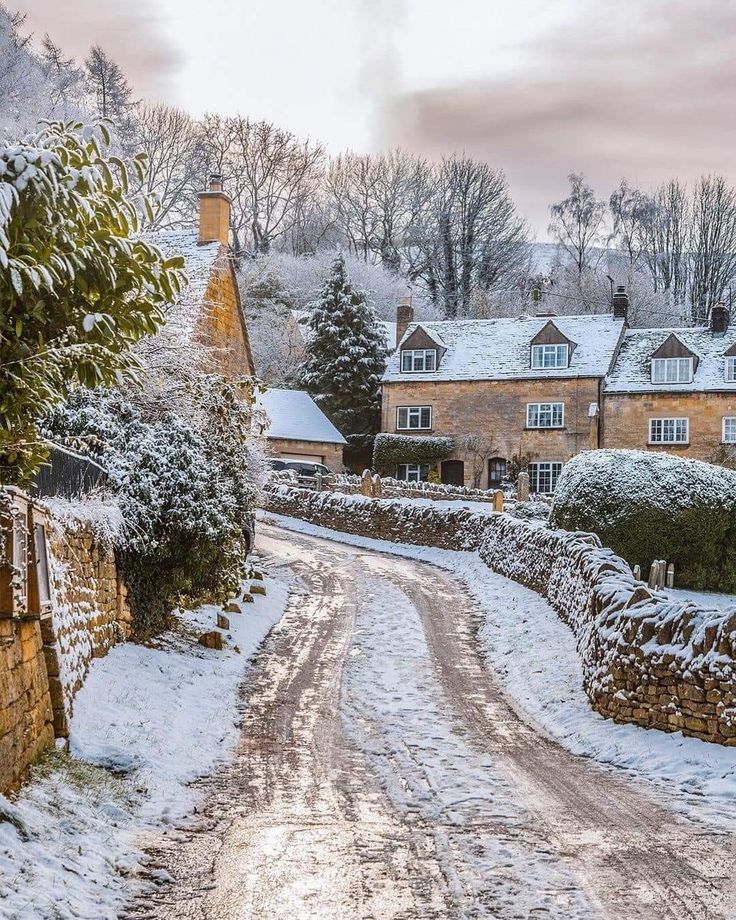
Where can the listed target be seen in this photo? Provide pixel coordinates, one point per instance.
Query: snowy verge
(699, 777)
(148, 722)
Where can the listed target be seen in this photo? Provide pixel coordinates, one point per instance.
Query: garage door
(310, 458)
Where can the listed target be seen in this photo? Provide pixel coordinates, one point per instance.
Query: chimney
(214, 213)
(719, 319)
(620, 302)
(404, 316)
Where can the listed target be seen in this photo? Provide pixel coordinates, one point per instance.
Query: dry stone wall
(646, 659)
(398, 488)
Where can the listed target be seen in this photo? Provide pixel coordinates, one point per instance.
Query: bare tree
(577, 223)
(478, 449)
(173, 143)
(712, 244)
(663, 227)
(111, 93)
(470, 235)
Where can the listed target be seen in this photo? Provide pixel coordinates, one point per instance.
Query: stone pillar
(498, 500)
(522, 487)
(366, 484)
(376, 486)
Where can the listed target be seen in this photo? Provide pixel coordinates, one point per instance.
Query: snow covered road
(381, 773)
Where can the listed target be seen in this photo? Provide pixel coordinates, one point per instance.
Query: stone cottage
(526, 391)
(299, 429)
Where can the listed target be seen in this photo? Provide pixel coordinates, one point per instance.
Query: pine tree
(109, 87)
(346, 355)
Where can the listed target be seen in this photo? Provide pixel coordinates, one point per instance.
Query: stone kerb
(646, 659)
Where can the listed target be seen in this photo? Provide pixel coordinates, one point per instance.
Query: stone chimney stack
(719, 319)
(620, 302)
(404, 316)
(214, 213)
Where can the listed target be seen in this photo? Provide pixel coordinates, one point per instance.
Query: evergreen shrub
(389, 450)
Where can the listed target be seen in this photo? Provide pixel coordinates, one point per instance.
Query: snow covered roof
(199, 263)
(296, 416)
(499, 349)
(631, 372)
(389, 329)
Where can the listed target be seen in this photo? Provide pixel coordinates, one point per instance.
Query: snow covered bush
(389, 450)
(186, 497)
(648, 506)
(77, 289)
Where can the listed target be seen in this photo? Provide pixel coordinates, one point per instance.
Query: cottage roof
(500, 349)
(295, 416)
(632, 371)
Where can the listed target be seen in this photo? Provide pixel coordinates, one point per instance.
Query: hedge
(391, 449)
(649, 506)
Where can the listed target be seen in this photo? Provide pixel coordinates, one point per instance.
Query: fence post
(498, 500)
(671, 575)
(319, 484)
(637, 572)
(376, 486)
(522, 487)
(366, 485)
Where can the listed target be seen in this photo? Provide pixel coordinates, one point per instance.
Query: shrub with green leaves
(389, 450)
(77, 286)
(649, 506)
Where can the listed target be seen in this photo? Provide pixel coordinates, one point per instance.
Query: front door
(453, 473)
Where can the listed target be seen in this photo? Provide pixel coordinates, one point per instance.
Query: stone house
(674, 390)
(299, 429)
(528, 389)
(210, 309)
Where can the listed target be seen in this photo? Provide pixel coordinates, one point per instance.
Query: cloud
(644, 90)
(129, 30)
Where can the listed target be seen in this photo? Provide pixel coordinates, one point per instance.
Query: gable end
(419, 339)
(672, 347)
(549, 334)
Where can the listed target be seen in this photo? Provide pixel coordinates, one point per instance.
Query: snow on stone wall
(399, 488)
(646, 658)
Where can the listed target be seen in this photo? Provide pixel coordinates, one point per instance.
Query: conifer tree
(346, 356)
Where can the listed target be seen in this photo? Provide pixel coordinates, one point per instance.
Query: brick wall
(646, 659)
(626, 420)
(497, 409)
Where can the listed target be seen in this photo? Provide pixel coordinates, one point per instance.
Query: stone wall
(223, 322)
(330, 454)
(398, 488)
(646, 659)
(90, 612)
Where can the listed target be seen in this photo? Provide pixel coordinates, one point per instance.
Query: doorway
(453, 473)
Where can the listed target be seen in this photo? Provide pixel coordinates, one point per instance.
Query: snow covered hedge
(389, 450)
(646, 658)
(650, 506)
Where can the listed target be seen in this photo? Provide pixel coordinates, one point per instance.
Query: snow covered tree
(77, 287)
(346, 355)
(113, 96)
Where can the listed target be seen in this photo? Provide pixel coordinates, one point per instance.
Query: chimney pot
(719, 319)
(404, 317)
(620, 303)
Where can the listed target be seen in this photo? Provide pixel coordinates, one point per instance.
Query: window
(672, 370)
(669, 430)
(543, 477)
(413, 417)
(731, 369)
(545, 415)
(412, 472)
(729, 430)
(497, 471)
(418, 359)
(549, 356)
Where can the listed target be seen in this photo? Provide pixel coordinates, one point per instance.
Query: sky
(611, 88)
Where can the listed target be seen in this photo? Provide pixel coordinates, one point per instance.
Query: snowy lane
(381, 774)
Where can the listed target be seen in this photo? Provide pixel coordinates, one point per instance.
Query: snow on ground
(148, 722)
(532, 653)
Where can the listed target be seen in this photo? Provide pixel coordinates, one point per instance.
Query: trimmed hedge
(649, 506)
(389, 450)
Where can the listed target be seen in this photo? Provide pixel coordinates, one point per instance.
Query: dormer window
(416, 360)
(550, 356)
(672, 370)
(730, 369)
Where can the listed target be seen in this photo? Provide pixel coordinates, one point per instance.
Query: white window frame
(729, 421)
(550, 357)
(537, 413)
(665, 430)
(413, 472)
(672, 370)
(729, 369)
(419, 358)
(550, 469)
(413, 413)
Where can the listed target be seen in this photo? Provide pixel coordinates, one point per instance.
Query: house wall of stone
(626, 420)
(497, 409)
(647, 659)
(224, 323)
(331, 454)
